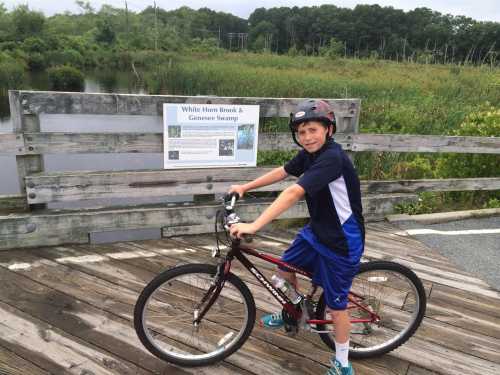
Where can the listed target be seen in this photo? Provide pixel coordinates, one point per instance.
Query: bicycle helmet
(312, 110)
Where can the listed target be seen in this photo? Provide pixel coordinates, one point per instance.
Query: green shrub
(333, 50)
(34, 44)
(36, 61)
(66, 57)
(8, 46)
(492, 203)
(12, 73)
(417, 168)
(207, 45)
(428, 202)
(483, 122)
(65, 78)
(268, 158)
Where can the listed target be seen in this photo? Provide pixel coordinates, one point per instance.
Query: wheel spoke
(165, 316)
(395, 295)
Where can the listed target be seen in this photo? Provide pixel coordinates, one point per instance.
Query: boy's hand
(238, 230)
(237, 189)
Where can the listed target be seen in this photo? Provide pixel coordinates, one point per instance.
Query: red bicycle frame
(237, 251)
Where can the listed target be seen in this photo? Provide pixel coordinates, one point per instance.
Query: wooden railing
(40, 225)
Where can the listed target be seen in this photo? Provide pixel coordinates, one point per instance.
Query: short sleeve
(296, 166)
(325, 169)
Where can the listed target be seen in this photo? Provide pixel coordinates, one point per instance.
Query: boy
(331, 244)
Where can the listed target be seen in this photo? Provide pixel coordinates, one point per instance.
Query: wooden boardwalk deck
(68, 309)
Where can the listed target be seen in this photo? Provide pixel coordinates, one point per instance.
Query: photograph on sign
(210, 135)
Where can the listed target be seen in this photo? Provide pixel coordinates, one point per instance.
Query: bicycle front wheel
(168, 305)
(389, 290)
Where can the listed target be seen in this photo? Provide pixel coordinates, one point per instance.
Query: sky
(481, 10)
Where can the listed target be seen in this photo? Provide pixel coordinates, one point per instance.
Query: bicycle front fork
(212, 293)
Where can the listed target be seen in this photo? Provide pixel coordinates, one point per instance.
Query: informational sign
(210, 135)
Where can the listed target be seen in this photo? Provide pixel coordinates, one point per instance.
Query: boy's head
(312, 124)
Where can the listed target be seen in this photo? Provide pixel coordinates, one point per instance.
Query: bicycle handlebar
(229, 203)
(232, 198)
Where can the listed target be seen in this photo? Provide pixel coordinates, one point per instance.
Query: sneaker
(272, 321)
(337, 369)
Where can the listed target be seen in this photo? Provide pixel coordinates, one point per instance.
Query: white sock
(342, 353)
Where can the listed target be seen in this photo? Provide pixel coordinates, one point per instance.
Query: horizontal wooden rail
(14, 202)
(75, 186)
(12, 144)
(419, 186)
(85, 143)
(69, 143)
(50, 102)
(425, 143)
(55, 228)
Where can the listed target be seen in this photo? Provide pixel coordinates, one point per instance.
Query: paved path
(472, 244)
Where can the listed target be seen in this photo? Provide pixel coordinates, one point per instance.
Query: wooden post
(23, 121)
(349, 125)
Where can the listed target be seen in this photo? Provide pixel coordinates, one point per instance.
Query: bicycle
(198, 314)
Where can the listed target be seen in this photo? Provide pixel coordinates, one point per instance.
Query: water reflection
(4, 108)
(98, 81)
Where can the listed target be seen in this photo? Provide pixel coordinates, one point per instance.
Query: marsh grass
(403, 98)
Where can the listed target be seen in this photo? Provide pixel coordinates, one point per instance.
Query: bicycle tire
(169, 339)
(389, 310)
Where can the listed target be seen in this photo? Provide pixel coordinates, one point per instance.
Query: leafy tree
(5, 24)
(333, 50)
(85, 6)
(105, 33)
(27, 22)
(262, 35)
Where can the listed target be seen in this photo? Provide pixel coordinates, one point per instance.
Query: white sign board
(210, 135)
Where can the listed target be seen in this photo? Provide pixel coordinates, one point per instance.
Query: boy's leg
(342, 325)
(341, 365)
(342, 334)
(336, 277)
(299, 254)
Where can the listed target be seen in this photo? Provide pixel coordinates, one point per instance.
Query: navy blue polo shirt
(333, 197)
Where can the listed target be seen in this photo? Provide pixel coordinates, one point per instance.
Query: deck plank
(55, 350)
(12, 364)
(104, 330)
(119, 300)
(83, 295)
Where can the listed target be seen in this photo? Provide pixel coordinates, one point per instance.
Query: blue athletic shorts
(333, 272)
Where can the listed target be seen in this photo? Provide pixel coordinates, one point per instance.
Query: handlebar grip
(229, 196)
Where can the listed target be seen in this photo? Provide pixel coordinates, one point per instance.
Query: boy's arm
(285, 200)
(275, 175)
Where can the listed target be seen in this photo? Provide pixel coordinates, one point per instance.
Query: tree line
(367, 31)
(419, 35)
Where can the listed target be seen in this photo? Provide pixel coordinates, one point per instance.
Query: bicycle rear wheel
(166, 308)
(391, 291)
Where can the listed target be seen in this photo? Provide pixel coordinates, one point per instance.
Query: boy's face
(312, 135)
